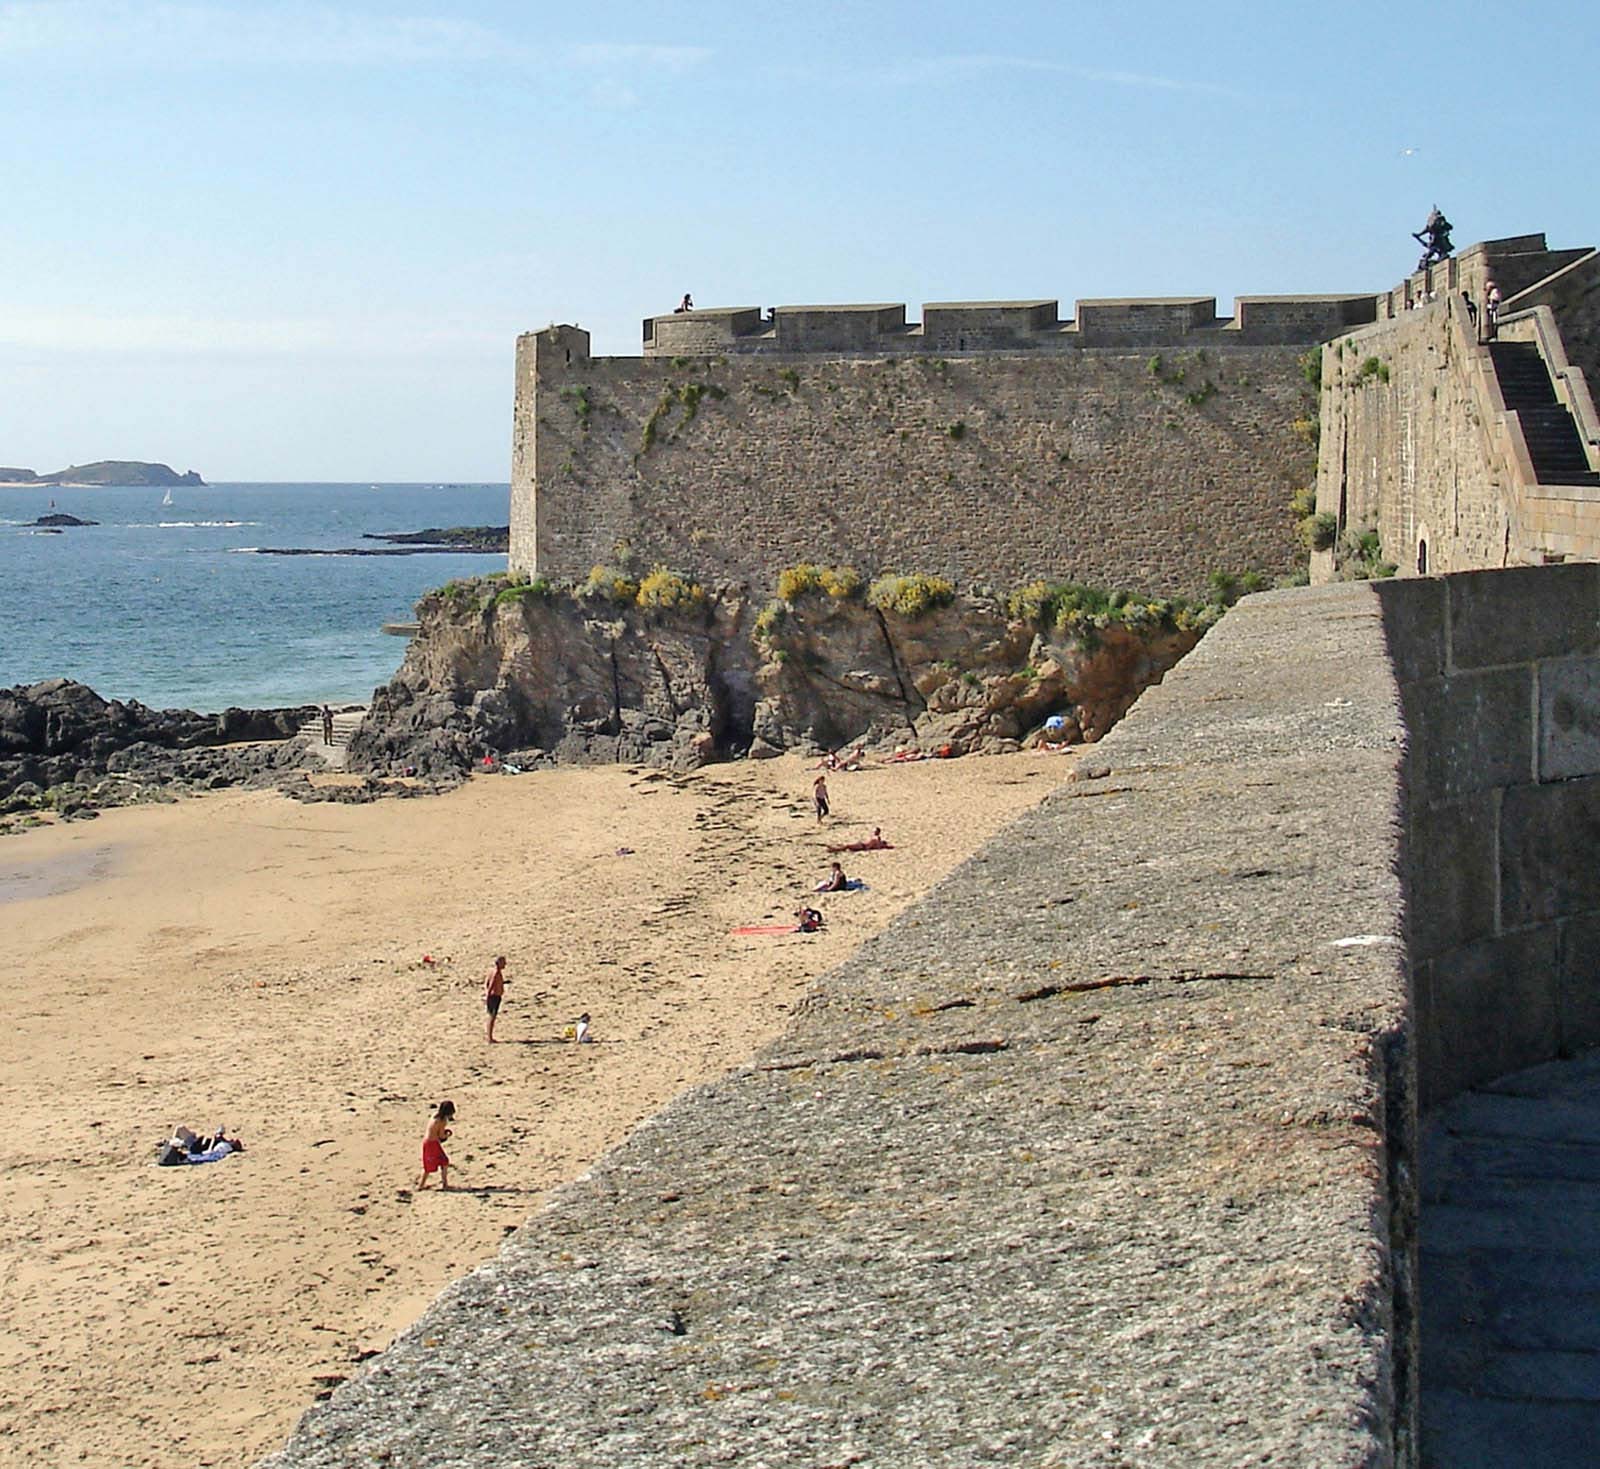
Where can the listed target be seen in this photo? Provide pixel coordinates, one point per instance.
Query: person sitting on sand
(581, 1032)
(874, 843)
(807, 920)
(834, 882)
(434, 1157)
(494, 992)
(819, 795)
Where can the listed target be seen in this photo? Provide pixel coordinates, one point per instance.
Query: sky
(297, 241)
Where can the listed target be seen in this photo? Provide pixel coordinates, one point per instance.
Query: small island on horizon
(101, 473)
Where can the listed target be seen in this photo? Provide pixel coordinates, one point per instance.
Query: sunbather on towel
(874, 843)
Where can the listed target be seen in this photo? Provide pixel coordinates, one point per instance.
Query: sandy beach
(249, 961)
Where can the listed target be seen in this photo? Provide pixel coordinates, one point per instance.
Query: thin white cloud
(940, 68)
(665, 58)
(182, 335)
(167, 35)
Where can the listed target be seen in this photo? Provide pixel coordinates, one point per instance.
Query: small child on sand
(434, 1158)
(580, 1032)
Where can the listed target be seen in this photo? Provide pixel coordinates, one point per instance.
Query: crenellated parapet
(881, 329)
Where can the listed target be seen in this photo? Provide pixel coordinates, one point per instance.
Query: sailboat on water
(166, 499)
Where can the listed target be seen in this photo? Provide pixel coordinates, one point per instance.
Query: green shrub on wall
(1358, 555)
(605, 584)
(520, 589)
(1074, 609)
(769, 620)
(910, 596)
(665, 590)
(808, 578)
(1319, 531)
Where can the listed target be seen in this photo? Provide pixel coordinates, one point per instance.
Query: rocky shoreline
(66, 753)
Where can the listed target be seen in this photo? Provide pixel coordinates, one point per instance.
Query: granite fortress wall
(1143, 444)
(1425, 441)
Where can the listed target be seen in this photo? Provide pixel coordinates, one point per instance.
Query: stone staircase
(1547, 427)
(345, 723)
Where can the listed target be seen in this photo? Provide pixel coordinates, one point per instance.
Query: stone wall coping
(1020, 305)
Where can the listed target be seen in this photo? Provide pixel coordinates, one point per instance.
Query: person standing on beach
(494, 991)
(434, 1157)
(819, 795)
(327, 725)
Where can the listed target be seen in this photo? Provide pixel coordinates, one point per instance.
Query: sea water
(168, 604)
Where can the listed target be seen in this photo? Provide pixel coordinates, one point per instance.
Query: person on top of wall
(687, 304)
(1491, 309)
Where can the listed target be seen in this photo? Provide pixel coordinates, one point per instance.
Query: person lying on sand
(834, 882)
(434, 1158)
(187, 1146)
(874, 843)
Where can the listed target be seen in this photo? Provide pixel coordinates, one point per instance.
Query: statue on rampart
(1434, 237)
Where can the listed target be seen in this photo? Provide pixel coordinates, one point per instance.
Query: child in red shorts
(434, 1158)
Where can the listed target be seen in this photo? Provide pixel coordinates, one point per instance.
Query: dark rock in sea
(56, 517)
(475, 538)
(380, 551)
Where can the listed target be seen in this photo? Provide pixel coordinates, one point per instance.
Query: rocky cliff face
(533, 673)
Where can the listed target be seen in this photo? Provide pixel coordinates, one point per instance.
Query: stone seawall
(1097, 1157)
(1145, 469)
(1500, 682)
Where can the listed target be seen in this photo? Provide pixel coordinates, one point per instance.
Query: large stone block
(1469, 733)
(1413, 626)
(1549, 841)
(1486, 1009)
(1451, 893)
(1569, 718)
(1580, 984)
(1523, 612)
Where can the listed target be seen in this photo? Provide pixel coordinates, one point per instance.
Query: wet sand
(241, 959)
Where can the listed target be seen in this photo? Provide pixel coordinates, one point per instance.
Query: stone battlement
(1004, 326)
